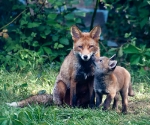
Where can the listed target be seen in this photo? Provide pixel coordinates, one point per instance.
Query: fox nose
(85, 56)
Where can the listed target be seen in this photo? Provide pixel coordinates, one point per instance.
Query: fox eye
(80, 47)
(91, 46)
(100, 60)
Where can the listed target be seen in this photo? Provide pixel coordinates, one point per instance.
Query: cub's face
(104, 65)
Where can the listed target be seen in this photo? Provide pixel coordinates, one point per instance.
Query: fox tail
(46, 99)
(131, 92)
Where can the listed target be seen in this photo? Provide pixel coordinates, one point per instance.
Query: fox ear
(112, 65)
(113, 57)
(75, 33)
(96, 32)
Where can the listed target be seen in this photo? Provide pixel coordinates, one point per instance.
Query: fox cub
(110, 80)
(77, 67)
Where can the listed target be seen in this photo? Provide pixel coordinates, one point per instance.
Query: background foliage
(129, 25)
(34, 38)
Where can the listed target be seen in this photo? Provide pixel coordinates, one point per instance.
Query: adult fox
(77, 67)
(74, 83)
(111, 79)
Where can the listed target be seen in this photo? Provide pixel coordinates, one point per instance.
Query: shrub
(39, 33)
(129, 25)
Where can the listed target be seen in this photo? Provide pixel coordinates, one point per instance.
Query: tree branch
(13, 20)
(94, 14)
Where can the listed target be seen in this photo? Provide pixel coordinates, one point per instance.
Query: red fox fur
(46, 99)
(110, 79)
(77, 67)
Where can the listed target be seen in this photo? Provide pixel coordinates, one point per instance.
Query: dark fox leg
(59, 93)
(73, 96)
(74, 100)
(124, 96)
(99, 97)
(115, 104)
(92, 100)
(108, 101)
(83, 99)
(92, 94)
(67, 97)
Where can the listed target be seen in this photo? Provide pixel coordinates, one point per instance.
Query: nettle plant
(40, 33)
(129, 25)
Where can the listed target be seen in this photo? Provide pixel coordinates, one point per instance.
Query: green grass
(15, 86)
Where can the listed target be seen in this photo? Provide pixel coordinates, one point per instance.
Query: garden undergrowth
(19, 85)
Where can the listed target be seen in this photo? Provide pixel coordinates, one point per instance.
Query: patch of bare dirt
(139, 106)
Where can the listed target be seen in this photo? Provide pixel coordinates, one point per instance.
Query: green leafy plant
(129, 26)
(38, 36)
(128, 16)
(138, 56)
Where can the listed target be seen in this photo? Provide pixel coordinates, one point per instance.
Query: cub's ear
(113, 57)
(75, 33)
(96, 32)
(112, 65)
